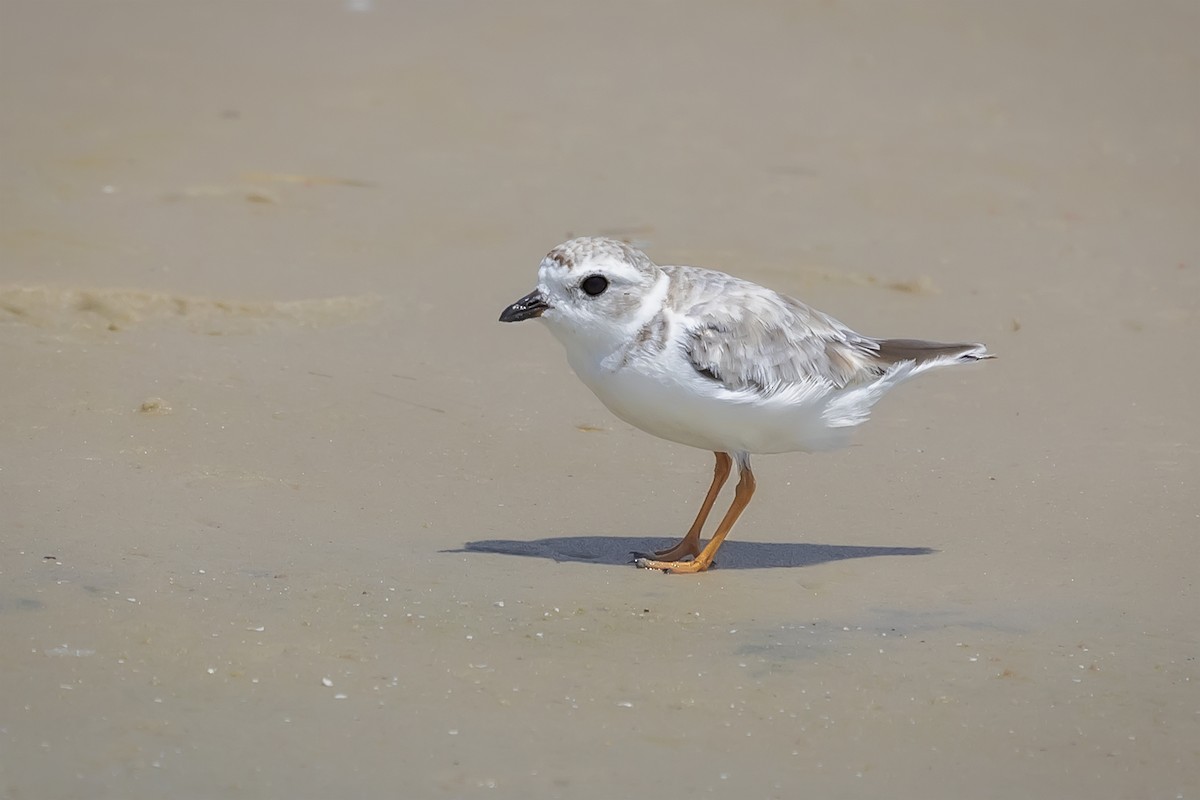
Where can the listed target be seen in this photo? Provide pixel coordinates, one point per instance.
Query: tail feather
(928, 354)
(900, 359)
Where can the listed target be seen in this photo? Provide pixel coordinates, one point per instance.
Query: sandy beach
(286, 512)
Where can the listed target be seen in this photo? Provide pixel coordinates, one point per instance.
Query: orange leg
(741, 499)
(689, 545)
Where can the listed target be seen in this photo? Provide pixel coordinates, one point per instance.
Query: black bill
(530, 306)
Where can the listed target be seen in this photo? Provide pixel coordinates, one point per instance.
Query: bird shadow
(733, 554)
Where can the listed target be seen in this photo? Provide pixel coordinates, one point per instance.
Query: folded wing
(749, 338)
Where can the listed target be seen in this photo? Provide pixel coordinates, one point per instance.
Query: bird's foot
(687, 548)
(695, 565)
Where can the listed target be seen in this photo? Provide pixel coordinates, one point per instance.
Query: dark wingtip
(893, 351)
(979, 353)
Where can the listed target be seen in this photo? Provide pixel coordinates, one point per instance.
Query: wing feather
(746, 337)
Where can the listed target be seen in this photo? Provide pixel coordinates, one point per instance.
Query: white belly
(672, 401)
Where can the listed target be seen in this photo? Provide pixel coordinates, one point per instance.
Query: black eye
(594, 284)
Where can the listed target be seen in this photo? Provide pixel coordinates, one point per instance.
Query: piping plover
(712, 361)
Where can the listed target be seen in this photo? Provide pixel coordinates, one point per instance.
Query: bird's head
(592, 287)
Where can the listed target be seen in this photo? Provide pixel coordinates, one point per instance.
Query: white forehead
(588, 254)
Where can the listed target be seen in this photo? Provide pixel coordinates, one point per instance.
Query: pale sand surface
(285, 512)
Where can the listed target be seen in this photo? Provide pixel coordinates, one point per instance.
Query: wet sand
(285, 512)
